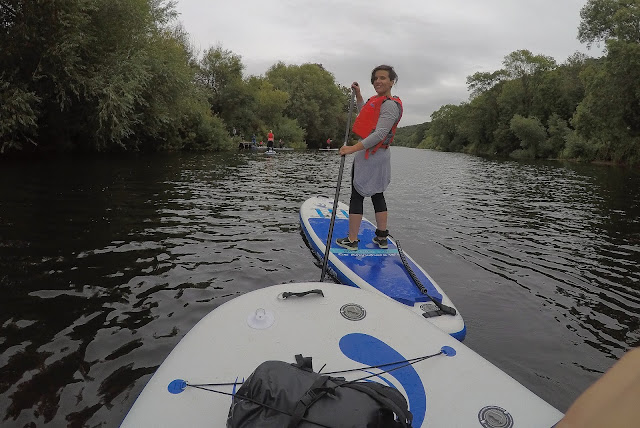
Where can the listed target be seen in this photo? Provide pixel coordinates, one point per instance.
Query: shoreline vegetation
(98, 76)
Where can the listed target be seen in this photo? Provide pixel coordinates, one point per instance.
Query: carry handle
(288, 294)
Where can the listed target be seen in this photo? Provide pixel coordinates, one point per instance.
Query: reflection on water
(561, 235)
(105, 265)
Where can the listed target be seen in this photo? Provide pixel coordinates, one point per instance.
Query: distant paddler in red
(270, 139)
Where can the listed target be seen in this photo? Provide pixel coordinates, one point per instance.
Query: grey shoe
(382, 242)
(349, 245)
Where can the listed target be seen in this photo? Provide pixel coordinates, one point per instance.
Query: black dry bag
(279, 394)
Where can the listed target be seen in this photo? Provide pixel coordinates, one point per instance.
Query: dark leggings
(356, 204)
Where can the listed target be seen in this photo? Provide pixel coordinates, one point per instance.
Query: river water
(106, 264)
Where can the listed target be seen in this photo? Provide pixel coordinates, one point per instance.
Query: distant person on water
(270, 139)
(280, 143)
(253, 140)
(328, 143)
(371, 172)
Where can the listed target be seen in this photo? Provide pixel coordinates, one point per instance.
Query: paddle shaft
(327, 250)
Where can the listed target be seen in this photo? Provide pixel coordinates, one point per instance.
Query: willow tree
(96, 75)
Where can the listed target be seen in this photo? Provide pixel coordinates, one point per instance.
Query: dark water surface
(106, 264)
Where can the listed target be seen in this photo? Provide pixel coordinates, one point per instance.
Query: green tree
(559, 91)
(42, 45)
(315, 101)
(268, 111)
(270, 103)
(96, 75)
(412, 135)
(526, 70)
(219, 67)
(480, 121)
(559, 132)
(481, 82)
(523, 63)
(18, 117)
(530, 132)
(220, 71)
(609, 116)
(289, 131)
(176, 113)
(603, 20)
(444, 133)
(419, 133)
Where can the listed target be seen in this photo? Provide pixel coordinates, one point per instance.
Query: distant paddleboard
(341, 328)
(374, 269)
(328, 150)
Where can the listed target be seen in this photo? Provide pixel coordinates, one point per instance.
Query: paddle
(335, 199)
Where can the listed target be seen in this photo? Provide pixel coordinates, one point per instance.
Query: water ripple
(106, 264)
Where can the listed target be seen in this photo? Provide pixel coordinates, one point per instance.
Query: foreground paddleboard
(344, 328)
(375, 269)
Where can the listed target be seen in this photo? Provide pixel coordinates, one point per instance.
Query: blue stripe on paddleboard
(460, 335)
(329, 211)
(371, 351)
(363, 251)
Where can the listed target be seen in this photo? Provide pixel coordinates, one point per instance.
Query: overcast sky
(433, 45)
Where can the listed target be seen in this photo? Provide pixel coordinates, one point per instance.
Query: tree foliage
(609, 115)
(99, 75)
(531, 134)
(584, 108)
(315, 100)
(604, 20)
(17, 116)
(113, 75)
(481, 82)
(411, 136)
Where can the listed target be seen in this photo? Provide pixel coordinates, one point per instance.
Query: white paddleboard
(345, 328)
(375, 269)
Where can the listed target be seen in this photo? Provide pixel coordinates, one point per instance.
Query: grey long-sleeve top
(373, 175)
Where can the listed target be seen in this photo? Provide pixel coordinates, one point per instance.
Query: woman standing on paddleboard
(270, 139)
(371, 173)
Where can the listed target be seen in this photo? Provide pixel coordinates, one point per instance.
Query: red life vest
(367, 120)
(270, 136)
